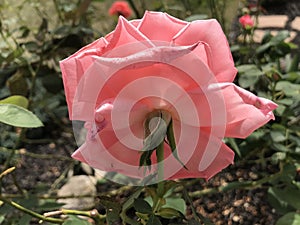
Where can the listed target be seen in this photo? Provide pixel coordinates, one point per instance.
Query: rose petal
(164, 25)
(208, 148)
(125, 34)
(72, 71)
(107, 76)
(224, 158)
(245, 111)
(210, 32)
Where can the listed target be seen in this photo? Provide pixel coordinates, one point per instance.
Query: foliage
(271, 69)
(31, 91)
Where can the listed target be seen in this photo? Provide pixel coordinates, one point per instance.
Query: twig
(7, 171)
(61, 177)
(30, 212)
(235, 185)
(94, 214)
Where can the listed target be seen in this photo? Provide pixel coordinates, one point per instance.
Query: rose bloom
(160, 64)
(120, 8)
(246, 21)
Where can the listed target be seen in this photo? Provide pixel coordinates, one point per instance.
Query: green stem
(30, 212)
(160, 169)
(236, 185)
(190, 202)
(94, 214)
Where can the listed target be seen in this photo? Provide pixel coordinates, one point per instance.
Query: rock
(272, 21)
(86, 168)
(78, 186)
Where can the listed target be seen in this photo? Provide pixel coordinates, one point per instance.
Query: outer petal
(245, 111)
(125, 34)
(195, 156)
(160, 26)
(210, 32)
(74, 67)
(224, 158)
(108, 153)
(72, 71)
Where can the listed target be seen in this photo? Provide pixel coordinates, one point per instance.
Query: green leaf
(2, 218)
(291, 195)
(278, 156)
(32, 46)
(177, 204)
(276, 201)
(249, 75)
(234, 146)
(48, 205)
(280, 110)
(24, 220)
(142, 206)
(263, 48)
(18, 100)
(280, 37)
(172, 143)
(168, 213)
(289, 88)
(15, 54)
(280, 147)
(277, 136)
(74, 220)
(17, 116)
(292, 64)
(131, 199)
(113, 209)
(153, 220)
(267, 37)
(128, 204)
(285, 101)
(291, 218)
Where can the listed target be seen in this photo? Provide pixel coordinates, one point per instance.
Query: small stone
(236, 218)
(253, 175)
(226, 212)
(273, 21)
(78, 186)
(246, 205)
(259, 34)
(86, 168)
(296, 23)
(238, 202)
(52, 145)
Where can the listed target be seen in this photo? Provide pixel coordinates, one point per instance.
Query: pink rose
(160, 63)
(120, 8)
(246, 21)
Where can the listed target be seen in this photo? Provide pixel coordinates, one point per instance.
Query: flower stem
(160, 169)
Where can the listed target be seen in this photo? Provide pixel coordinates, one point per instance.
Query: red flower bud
(246, 21)
(120, 8)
